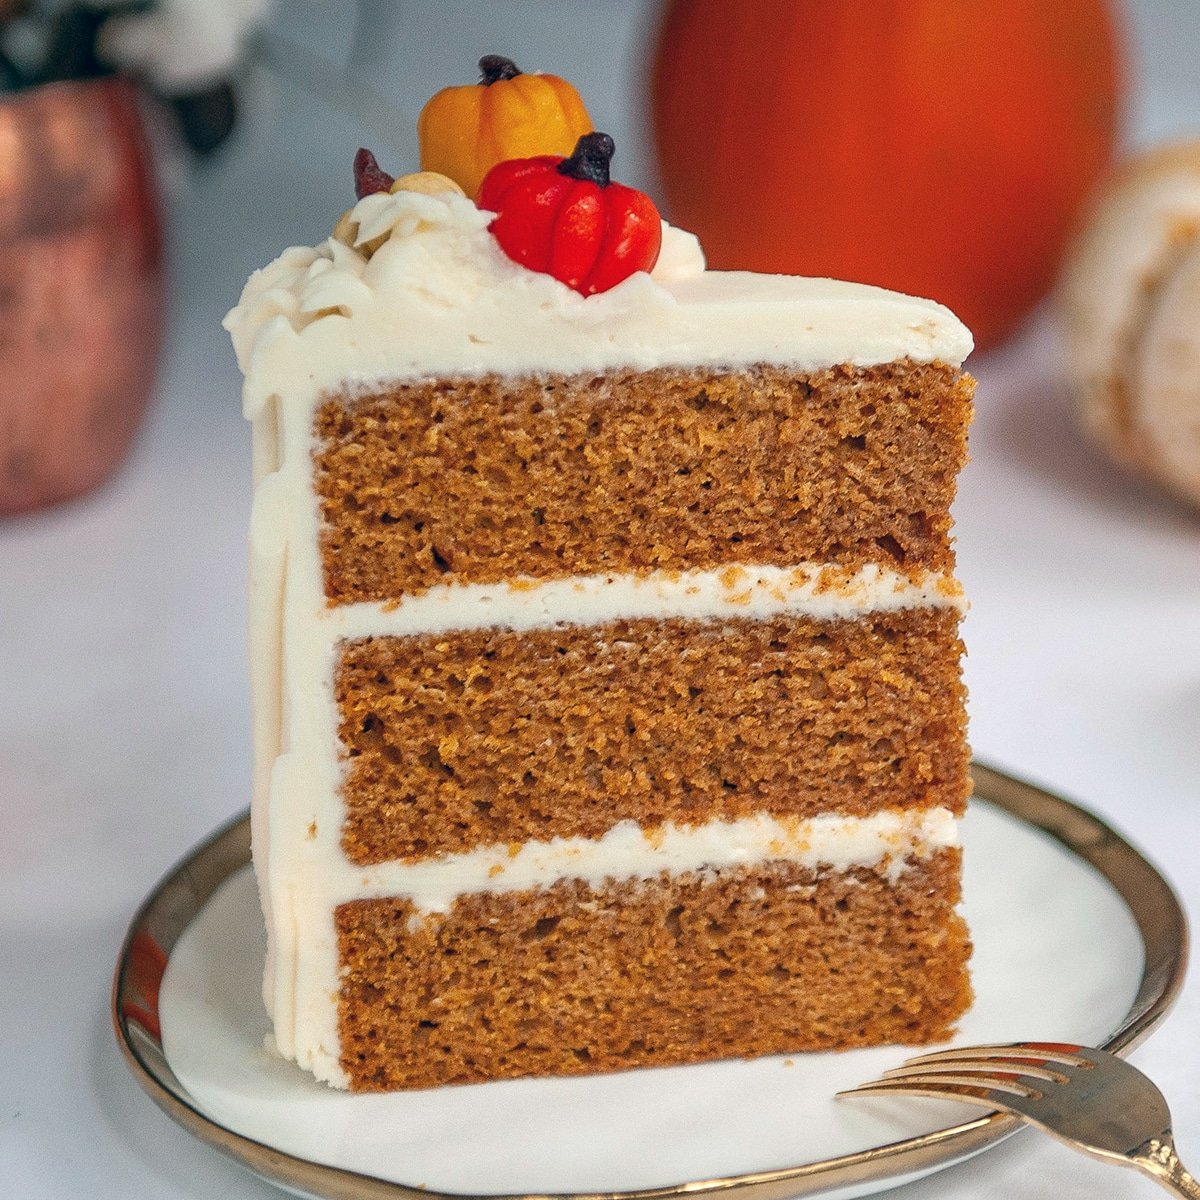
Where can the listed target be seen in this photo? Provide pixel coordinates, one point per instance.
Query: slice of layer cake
(605, 658)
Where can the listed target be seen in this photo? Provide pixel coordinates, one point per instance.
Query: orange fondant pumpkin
(465, 131)
(939, 147)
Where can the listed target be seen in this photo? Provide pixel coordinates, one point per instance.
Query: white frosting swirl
(441, 297)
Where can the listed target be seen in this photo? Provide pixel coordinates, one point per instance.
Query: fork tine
(972, 1093)
(1026, 1051)
(1010, 1085)
(988, 1069)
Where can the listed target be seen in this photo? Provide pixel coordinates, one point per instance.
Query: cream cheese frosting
(884, 842)
(744, 591)
(438, 297)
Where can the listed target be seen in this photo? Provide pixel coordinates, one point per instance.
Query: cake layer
(461, 739)
(490, 478)
(572, 979)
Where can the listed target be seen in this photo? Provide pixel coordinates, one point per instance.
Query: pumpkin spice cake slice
(605, 642)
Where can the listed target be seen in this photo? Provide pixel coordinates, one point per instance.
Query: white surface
(124, 722)
(1069, 969)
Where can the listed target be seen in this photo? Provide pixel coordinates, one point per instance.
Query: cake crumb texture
(458, 740)
(568, 980)
(478, 480)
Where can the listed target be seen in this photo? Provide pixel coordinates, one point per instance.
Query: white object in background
(1130, 307)
(183, 45)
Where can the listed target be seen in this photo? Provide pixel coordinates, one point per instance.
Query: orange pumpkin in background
(939, 147)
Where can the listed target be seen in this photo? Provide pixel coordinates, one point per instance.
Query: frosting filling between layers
(884, 842)
(743, 590)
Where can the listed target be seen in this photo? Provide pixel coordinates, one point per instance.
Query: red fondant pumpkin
(565, 217)
(939, 147)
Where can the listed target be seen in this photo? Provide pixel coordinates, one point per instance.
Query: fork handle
(1159, 1160)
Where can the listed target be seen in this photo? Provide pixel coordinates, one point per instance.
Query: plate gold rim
(183, 891)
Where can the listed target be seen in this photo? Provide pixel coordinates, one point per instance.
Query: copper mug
(81, 286)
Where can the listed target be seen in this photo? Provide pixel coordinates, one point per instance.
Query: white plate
(1059, 956)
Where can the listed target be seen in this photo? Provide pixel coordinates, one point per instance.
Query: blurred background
(132, 213)
(146, 573)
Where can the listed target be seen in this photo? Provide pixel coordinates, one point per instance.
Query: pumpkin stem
(495, 67)
(369, 176)
(590, 158)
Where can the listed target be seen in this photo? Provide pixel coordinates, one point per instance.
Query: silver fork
(1089, 1099)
